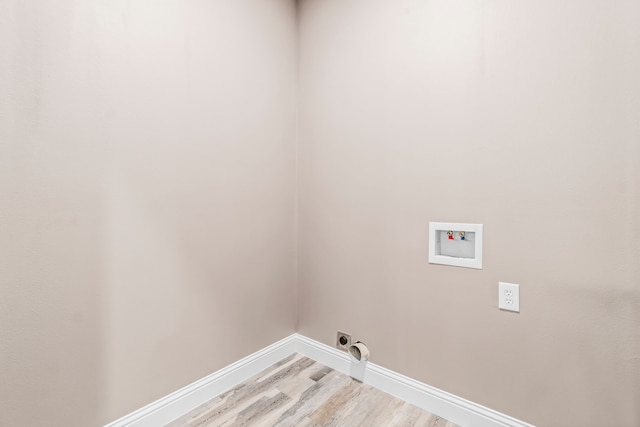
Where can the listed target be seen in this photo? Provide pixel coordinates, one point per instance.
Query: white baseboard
(446, 405)
(178, 403)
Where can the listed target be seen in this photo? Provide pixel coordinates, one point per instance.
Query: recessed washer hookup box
(455, 244)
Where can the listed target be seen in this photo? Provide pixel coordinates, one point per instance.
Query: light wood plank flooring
(298, 391)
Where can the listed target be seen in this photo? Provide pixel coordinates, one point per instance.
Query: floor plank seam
(298, 391)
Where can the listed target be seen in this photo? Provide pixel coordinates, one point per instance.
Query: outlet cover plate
(509, 296)
(347, 339)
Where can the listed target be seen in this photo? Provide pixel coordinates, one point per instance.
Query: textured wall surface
(522, 116)
(147, 192)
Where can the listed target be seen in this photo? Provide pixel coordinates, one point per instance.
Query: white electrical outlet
(509, 296)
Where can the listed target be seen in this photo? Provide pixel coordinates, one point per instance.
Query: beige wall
(147, 192)
(522, 116)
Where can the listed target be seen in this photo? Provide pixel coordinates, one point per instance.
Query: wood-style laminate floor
(300, 392)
